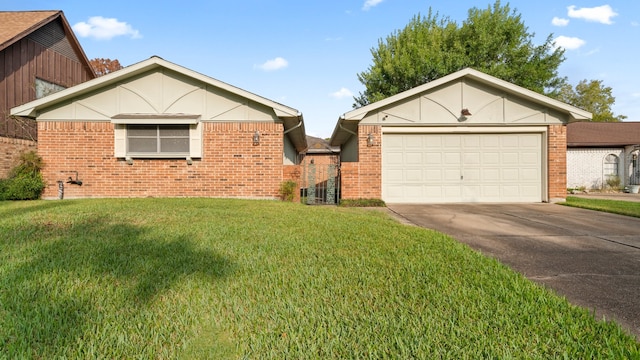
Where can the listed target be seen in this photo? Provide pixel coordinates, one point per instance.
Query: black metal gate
(321, 182)
(634, 179)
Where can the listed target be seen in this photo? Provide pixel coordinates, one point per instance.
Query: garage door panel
(423, 168)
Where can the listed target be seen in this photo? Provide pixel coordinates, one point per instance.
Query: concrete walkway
(591, 258)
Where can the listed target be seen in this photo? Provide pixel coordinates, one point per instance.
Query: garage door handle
(461, 177)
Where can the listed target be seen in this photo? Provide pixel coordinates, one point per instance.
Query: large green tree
(592, 96)
(492, 40)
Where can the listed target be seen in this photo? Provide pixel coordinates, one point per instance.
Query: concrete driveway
(591, 258)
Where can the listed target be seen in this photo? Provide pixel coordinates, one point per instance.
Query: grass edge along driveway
(628, 208)
(212, 278)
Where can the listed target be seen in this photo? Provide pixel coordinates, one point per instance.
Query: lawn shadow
(51, 299)
(17, 208)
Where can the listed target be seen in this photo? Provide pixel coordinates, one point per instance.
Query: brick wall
(363, 179)
(293, 172)
(557, 141)
(585, 166)
(231, 165)
(10, 151)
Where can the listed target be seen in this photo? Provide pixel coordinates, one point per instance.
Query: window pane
(140, 145)
(174, 145)
(174, 130)
(142, 130)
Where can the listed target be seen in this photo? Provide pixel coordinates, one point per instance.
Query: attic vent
(52, 36)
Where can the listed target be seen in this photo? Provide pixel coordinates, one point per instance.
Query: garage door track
(591, 258)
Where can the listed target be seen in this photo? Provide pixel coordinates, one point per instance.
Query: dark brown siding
(26, 60)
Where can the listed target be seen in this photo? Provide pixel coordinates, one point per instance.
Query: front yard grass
(628, 208)
(211, 278)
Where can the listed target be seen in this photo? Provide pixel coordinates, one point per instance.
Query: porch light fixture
(189, 160)
(129, 160)
(370, 140)
(256, 138)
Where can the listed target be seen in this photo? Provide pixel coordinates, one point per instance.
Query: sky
(306, 54)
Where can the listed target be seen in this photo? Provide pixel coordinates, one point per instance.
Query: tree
(592, 96)
(104, 66)
(493, 40)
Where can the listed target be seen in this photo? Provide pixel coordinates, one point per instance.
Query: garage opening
(438, 168)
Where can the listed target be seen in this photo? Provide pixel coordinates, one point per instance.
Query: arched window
(610, 166)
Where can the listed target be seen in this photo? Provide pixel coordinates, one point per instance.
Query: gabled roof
(603, 134)
(320, 146)
(15, 25)
(292, 118)
(468, 73)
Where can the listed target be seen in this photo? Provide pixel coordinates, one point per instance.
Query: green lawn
(628, 208)
(210, 278)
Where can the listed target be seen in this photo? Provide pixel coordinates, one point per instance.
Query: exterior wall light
(129, 160)
(256, 138)
(189, 160)
(464, 114)
(370, 140)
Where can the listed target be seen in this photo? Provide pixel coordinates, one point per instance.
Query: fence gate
(321, 182)
(634, 179)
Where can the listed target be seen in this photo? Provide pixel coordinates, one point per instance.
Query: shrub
(613, 182)
(287, 190)
(30, 164)
(362, 203)
(25, 181)
(23, 187)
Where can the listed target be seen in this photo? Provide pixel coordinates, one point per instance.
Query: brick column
(363, 179)
(557, 176)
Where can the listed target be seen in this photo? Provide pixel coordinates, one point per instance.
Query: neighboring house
(39, 54)
(156, 129)
(600, 152)
(466, 137)
(320, 172)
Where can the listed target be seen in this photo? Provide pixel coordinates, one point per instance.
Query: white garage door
(437, 168)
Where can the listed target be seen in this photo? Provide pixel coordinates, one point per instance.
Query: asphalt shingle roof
(14, 25)
(601, 134)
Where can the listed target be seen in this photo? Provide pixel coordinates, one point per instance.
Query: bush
(613, 182)
(287, 190)
(25, 181)
(24, 187)
(362, 203)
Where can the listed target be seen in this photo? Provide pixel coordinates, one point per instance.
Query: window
(158, 140)
(165, 136)
(610, 166)
(44, 88)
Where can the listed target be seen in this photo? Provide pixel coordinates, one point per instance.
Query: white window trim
(120, 138)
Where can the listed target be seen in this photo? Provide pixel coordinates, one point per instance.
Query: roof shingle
(601, 134)
(15, 25)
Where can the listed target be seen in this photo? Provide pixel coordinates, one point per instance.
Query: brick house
(158, 129)
(597, 152)
(39, 54)
(466, 137)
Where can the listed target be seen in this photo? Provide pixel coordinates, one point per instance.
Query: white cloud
(556, 21)
(274, 64)
(569, 43)
(342, 93)
(601, 14)
(101, 28)
(370, 3)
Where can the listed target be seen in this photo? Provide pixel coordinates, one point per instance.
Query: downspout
(345, 129)
(295, 127)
